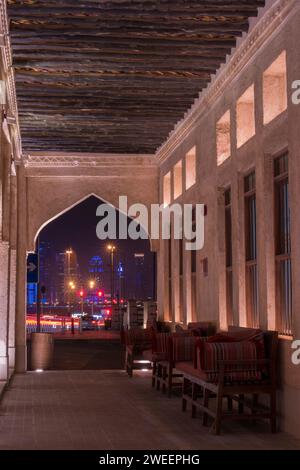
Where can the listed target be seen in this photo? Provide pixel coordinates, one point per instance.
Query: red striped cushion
(182, 348)
(160, 342)
(212, 353)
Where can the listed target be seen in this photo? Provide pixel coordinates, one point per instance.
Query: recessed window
(275, 89)
(223, 138)
(178, 179)
(252, 286)
(245, 116)
(283, 246)
(190, 168)
(167, 189)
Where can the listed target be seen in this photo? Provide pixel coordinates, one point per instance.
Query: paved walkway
(88, 354)
(107, 410)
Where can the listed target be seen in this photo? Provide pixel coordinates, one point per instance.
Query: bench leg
(205, 404)
(241, 404)
(229, 403)
(194, 399)
(170, 381)
(219, 410)
(273, 411)
(185, 385)
(158, 376)
(164, 378)
(154, 374)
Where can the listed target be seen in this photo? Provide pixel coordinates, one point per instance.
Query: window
(178, 179)
(223, 138)
(275, 89)
(228, 252)
(283, 246)
(251, 252)
(167, 189)
(245, 115)
(190, 168)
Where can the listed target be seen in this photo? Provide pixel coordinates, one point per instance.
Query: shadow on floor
(87, 354)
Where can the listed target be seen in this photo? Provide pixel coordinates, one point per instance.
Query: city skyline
(76, 230)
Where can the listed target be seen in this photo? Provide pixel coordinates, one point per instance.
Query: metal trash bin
(41, 352)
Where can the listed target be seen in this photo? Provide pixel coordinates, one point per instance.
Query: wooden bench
(235, 379)
(157, 353)
(136, 341)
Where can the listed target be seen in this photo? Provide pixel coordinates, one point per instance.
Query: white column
(238, 250)
(175, 281)
(4, 251)
(12, 311)
(293, 67)
(12, 276)
(187, 284)
(21, 350)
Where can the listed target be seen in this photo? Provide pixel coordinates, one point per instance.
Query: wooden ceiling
(115, 76)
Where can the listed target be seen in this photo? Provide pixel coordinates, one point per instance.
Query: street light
(111, 249)
(69, 252)
(92, 285)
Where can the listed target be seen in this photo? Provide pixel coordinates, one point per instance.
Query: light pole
(111, 249)
(92, 285)
(80, 320)
(72, 287)
(69, 253)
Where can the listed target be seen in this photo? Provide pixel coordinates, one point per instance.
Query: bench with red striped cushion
(182, 348)
(210, 355)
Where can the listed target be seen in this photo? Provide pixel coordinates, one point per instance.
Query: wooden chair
(157, 353)
(180, 349)
(249, 375)
(136, 341)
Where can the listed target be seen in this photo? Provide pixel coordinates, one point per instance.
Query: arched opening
(86, 285)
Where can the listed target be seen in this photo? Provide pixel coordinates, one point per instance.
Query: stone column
(4, 253)
(187, 283)
(175, 281)
(238, 250)
(12, 276)
(221, 257)
(264, 218)
(293, 67)
(21, 350)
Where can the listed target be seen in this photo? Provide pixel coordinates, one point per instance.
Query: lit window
(190, 168)
(223, 138)
(167, 189)
(275, 89)
(178, 179)
(245, 115)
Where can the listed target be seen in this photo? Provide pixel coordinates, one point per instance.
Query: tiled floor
(106, 410)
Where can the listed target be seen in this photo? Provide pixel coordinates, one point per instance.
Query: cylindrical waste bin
(42, 348)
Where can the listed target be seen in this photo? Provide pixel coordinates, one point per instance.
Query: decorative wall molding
(270, 21)
(88, 160)
(10, 78)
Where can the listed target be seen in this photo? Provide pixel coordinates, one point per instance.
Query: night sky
(77, 229)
